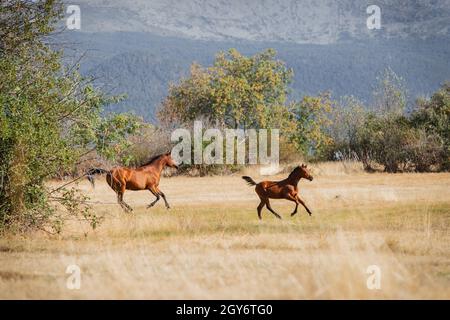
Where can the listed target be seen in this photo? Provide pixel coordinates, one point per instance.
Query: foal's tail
(249, 180)
(94, 171)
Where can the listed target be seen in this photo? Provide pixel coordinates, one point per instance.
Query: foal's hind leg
(260, 206)
(271, 210)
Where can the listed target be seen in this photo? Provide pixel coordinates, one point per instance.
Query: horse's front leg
(295, 210)
(292, 197)
(164, 198)
(156, 200)
(268, 206)
(304, 205)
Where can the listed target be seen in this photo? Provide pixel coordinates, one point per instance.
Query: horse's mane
(293, 171)
(151, 160)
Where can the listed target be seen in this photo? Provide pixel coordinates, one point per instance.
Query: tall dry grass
(211, 244)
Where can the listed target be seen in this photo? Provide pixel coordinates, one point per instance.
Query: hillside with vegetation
(142, 65)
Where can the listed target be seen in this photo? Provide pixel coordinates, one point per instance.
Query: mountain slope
(142, 65)
(138, 47)
(298, 21)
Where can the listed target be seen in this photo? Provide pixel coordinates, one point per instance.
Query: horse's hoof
(167, 207)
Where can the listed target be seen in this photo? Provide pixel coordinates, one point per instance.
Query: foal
(284, 189)
(145, 177)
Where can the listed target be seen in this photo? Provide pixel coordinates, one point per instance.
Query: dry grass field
(211, 244)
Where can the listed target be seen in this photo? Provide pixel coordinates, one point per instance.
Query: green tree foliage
(49, 118)
(250, 92)
(311, 119)
(433, 117)
(236, 92)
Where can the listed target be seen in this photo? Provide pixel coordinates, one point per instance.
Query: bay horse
(145, 177)
(284, 189)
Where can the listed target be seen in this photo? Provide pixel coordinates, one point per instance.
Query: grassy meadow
(211, 245)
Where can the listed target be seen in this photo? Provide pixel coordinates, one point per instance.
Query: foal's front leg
(304, 205)
(271, 210)
(295, 210)
(297, 201)
(292, 197)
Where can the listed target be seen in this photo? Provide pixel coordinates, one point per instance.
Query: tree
(433, 117)
(390, 94)
(388, 136)
(385, 129)
(345, 120)
(236, 92)
(49, 118)
(312, 118)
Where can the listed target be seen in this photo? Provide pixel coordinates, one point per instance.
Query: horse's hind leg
(119, 201)
(260, 206)
(122, 203)
(271, 210)
(119, 188)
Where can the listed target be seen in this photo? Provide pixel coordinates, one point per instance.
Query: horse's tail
(249, 180)
(94, 171)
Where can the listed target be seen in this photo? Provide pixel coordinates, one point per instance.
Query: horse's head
(169, 161)
(304, 173)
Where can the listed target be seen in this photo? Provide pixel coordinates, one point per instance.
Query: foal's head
(302, 172)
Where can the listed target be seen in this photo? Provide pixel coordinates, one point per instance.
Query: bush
(50, 118)
(387, 136)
